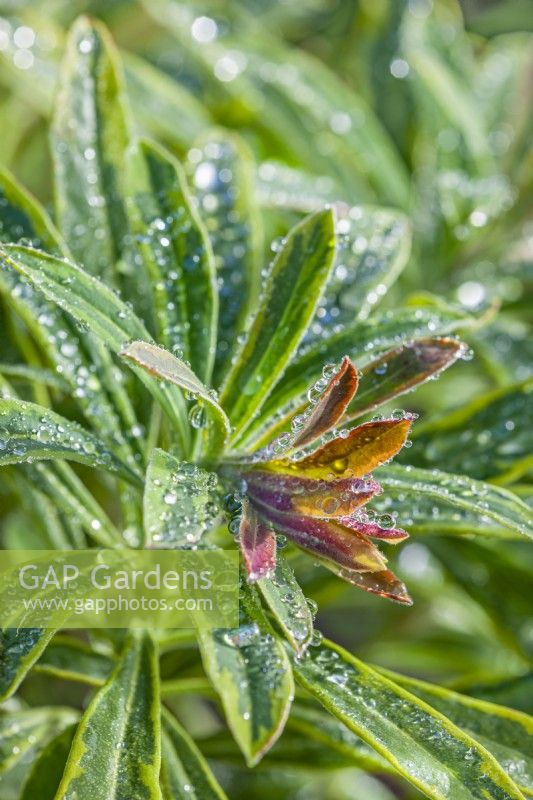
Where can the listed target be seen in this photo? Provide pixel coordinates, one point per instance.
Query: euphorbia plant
(213, 425)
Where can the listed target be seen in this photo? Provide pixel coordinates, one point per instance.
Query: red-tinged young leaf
(327, 539)
(365, 448)
(375, 531)
(383, 583)
(400, 370)
(331, 405)
(258, 544)
(308, 497)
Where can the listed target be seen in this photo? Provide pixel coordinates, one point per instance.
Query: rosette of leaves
(150, 342)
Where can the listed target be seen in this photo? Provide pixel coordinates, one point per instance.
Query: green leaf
(55, 489)
(94, 307)
(166, 109)
(514, 692)
(123, 719)
(185, 774)
(47, 769)
(505, 733)
(29, 432)
(251, 672)
(89, 139)
(22, 218)
(176, 498)
(374, 247)
(288, 604)
(294, 107)
(445, 89)
(228, 208)
(481, 499)
(59, 536)
(19, 650)
(424, 746)
(361, 341)
(21, 731)
(175, 251)
(489, 438)
(505, 565)
(83, 363)
(432, 515)
(69, 659)
(281, 187)
(33, 375)
(70, 496)
(314, 724)
(159, 362)
(294, 285)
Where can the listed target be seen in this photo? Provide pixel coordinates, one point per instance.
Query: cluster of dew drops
(173, 522)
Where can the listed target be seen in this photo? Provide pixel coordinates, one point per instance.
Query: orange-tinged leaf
(330, 406)
(308, 497)
(327, 539)
(365, 448)
(400, 370)
(258, 544)
(383, 583)
(374, 530)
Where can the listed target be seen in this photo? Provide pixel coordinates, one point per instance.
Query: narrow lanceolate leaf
(176, 253)
(82, 362)
(451, 99)
(401, 370)
(123, 719)
(509, 608)
(361, 341)
(490, 438)
(94, 307)
(313, 723)
(33, 375)
(364, 449)
(176, 498)
(383, 583)
(308, 497)
(328, 539)
(19, 650)
(252, 674)
(89, 139)
(21, 731)
(514, 692)
(165, 366)
(257, 541)
(287, 188)
(47, 769)
(23, 218)
(72, 660)
(293, 287)
(166, 109)
(484, 501)
(420, 743)
(330, 406)
(222, 177)
(506, 733)
(374, 247)
(368, 527)
(288, 604)
(71, 497)
(29, 432)
(296, 109)
(185, 774)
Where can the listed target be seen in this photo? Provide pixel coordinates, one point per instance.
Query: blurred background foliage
(424, 106)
